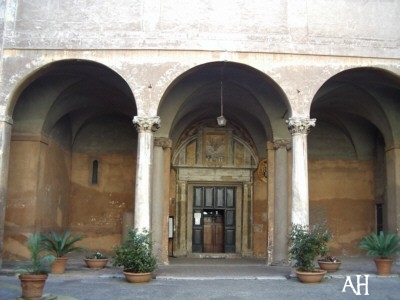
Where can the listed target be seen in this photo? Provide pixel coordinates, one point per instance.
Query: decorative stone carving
(262, 170)
(162, 142)
(282, 144)
(146, 123)
(300, 125)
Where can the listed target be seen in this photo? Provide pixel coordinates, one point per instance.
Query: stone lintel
(206, 174)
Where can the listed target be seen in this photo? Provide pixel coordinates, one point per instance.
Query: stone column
(159, 209)
(5, 137)
(393, 189)
(299, 128)
(145, 127)
(247, 217)
(280, 256)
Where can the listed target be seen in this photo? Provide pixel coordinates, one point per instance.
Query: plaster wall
(38, 192)
(342, 194)
(260, 218)
(356, 28)
(96, 210)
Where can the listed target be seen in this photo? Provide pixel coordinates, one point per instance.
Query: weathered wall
(342, 194)
(260, 218)
(356, 28)
(50, 184)
(97, 210)
(38, 192)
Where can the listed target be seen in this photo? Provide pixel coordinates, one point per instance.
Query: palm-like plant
(383, 245)
(39, 263)
(61, 245)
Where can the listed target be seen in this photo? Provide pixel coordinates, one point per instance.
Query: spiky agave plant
(383, 245)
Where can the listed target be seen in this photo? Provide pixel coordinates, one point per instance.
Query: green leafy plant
(61, 245)
(383, 245)
(308, 243)
(40, 263)
(135, 254)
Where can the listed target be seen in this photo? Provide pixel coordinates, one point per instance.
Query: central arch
(209, 158)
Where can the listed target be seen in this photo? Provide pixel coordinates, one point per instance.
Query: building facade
(109, 121)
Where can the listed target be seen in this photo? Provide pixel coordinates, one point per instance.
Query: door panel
(230, 197)
(197, 238)
(220, 197)
(208, 235)
(229, 218)
(198, 197)
(219, 234)
(209, 197)
(229, 241)
(214, 219)
(213, 234)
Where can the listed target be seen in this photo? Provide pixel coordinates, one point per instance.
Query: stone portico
(110, 122)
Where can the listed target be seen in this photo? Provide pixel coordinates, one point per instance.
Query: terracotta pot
(58, 267)
(137, 277)
(32, 285)
(311, 277)
(383, 266)
(96, 263)
(329, 266)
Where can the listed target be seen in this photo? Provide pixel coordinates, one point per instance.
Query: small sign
(197, 218)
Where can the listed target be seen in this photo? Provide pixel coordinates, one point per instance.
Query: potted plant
(61, 245)
(96, 260)
(383, 247)
(33, 277)
(306, 244)
(329, 263)
(136, 257)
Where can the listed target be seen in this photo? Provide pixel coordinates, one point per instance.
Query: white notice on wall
(197, 218)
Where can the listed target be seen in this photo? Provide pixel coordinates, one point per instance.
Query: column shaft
(159, 214)
(393, 189)
(280, 255)
(5, 138)
(299, 128)
(145, 126)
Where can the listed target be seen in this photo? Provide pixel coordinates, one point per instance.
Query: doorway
(214, 225)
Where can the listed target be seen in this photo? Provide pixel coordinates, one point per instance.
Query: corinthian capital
(282, 144)
(146, 123)
(162, 142)
(300, 125)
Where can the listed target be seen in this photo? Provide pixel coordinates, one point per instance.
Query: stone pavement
(186, 278)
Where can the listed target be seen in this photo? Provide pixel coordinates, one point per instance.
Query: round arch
(353, 158)
(86, 68)
(250, 98)
(66, 116)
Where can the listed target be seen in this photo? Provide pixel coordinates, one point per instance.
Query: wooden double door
(214, 226)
